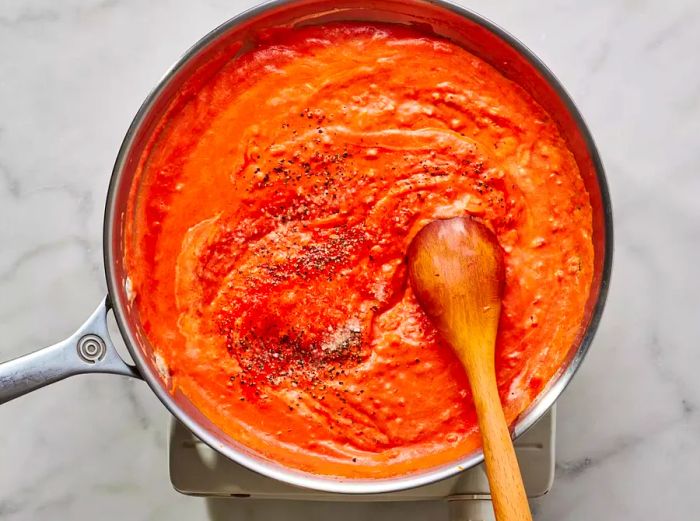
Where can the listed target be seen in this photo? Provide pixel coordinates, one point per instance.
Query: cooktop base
(198, 470)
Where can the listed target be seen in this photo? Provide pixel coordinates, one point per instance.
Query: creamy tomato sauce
(266, 248)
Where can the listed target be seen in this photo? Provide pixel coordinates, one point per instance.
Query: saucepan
(90, 349)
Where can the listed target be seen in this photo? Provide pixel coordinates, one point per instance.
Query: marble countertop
(72, 75)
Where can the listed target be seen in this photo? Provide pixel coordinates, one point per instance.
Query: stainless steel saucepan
(90, 349)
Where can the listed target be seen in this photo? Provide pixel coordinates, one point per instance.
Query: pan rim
(277, 470)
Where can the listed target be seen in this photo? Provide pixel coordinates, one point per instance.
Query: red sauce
(266, 248)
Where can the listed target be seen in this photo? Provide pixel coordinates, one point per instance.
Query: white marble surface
(73, 73)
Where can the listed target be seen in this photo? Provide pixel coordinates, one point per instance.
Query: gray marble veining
(73, 73)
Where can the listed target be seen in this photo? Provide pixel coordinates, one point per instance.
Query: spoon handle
(506, 483)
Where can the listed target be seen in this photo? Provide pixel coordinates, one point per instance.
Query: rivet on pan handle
(88, 350)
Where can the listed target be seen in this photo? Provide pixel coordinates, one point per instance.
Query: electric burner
(198, 470)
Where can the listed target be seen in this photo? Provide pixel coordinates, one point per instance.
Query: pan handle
(88, 350)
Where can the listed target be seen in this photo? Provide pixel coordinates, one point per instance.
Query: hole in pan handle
(88, 350)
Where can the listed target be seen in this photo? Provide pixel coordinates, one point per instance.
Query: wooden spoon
(456, 269)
